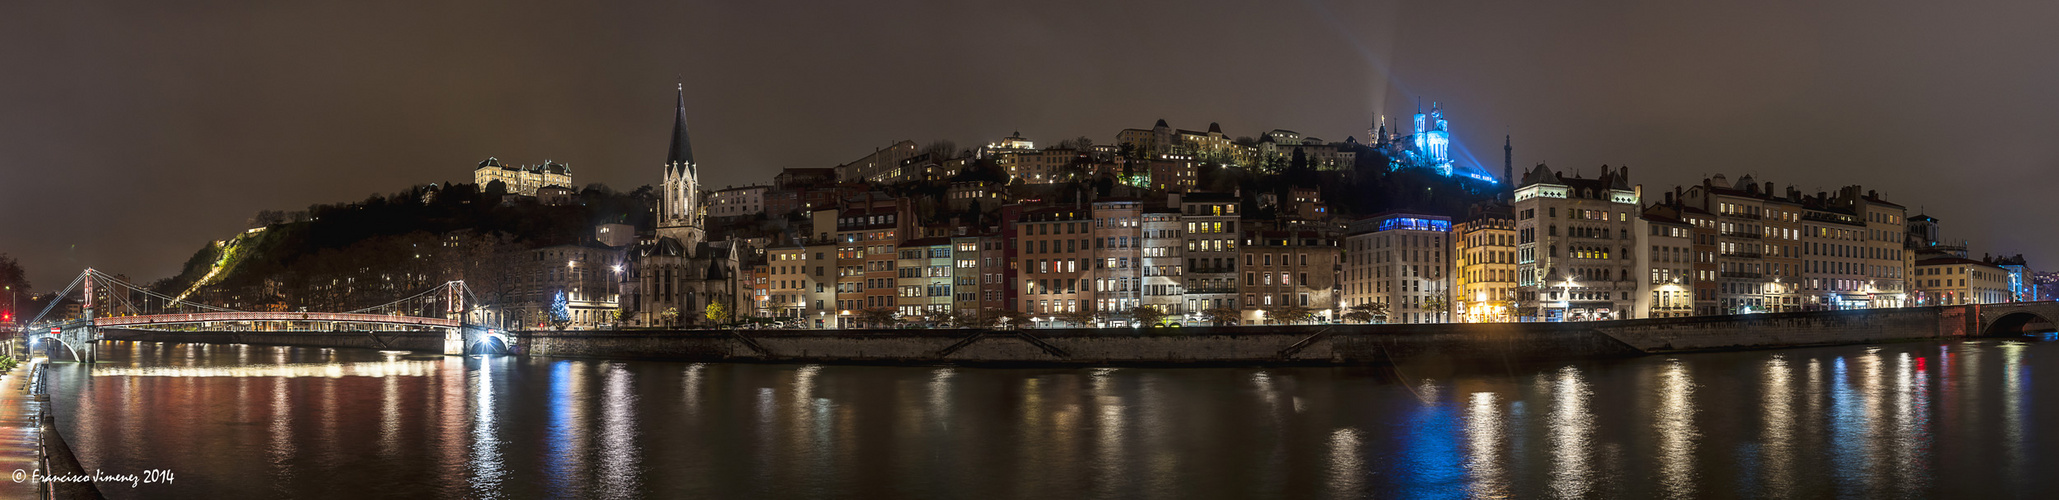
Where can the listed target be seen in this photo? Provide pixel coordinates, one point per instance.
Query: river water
(237, 421)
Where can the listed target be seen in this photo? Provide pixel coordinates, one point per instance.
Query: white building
(1574, 248)
(737, 201)
(1403, 261)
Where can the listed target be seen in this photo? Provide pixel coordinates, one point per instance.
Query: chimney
(1769, 188)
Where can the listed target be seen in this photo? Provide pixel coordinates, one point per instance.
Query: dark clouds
(134, 131)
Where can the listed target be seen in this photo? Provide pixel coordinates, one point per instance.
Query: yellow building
(1486, 276)
(1951, 281)
(522, 179)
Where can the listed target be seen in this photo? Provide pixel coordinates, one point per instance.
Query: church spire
(1508, 161)
(682, 149)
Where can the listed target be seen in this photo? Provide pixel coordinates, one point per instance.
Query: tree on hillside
(11, 274)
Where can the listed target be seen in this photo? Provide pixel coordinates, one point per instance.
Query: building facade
(737, 201)
(1484, 274)
(1574, 247)
(522, 179)
(1209, 224)
(1401, 260)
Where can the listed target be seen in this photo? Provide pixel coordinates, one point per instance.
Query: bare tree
(1221, 316)
(877, 316)
(1147, 316)
(1367, 312)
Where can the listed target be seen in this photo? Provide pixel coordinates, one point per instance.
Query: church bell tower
(680, 214)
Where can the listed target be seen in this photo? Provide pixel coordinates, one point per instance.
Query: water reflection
(1674, 424)
(280, 370)
(1901, 420)
(1776, 447)
(487, 465)
(1571, 429)
(2013, 409)
(1347, 464)
(1484, 426)
(621, 460)
(568, 439)
(1911, 442)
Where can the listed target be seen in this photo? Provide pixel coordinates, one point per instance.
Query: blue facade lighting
(1415, 224)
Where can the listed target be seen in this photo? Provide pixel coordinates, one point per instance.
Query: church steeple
(681, 155)
(680, 206)
(1508, 161)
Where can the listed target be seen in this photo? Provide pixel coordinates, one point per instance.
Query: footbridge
(107, 302)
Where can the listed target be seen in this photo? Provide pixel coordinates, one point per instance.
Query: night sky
(133, 132)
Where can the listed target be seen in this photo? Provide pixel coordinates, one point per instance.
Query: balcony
(1741, 234)
(1742, 274)
(1742, 255)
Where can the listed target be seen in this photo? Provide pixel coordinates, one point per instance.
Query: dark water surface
(1954, 419)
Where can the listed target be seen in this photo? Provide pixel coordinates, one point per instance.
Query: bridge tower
(455, 339)
(85, 342)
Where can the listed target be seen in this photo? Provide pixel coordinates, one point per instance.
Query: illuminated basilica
(1427, 147)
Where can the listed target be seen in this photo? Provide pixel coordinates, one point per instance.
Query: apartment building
(1402, 260)
(1484, 274)
(1574, 247)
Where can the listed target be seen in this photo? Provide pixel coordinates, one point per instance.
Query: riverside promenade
(29, 444)
(20, 433)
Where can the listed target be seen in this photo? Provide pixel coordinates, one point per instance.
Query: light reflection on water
(1571, 426)
(1676, 431)
(1894, 420)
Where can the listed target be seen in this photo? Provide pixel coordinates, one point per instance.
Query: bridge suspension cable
(59, 298)
(416, 300)
(123, 299)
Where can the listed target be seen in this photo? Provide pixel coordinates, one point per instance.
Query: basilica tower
(680, 214)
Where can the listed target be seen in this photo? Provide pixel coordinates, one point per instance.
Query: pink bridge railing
(163, 319)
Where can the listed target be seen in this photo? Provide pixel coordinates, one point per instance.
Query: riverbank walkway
(20, 434)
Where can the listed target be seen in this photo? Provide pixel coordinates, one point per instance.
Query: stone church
(676, 273)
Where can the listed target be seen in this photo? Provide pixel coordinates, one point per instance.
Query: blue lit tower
(1432, 140)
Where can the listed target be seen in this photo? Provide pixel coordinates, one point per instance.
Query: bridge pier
(454, 341)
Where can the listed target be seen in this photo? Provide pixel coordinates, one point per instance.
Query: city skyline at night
(333, 118)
